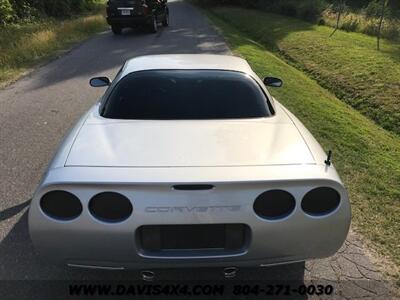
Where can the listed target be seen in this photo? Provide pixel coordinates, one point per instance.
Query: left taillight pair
(107, 206)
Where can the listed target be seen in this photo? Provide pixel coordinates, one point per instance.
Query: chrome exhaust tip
(148, 275)
(230, 272)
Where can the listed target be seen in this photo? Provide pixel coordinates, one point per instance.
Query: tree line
(17, 11)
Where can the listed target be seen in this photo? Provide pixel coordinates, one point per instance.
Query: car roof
(186, 62)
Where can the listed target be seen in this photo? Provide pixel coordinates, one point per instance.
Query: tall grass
(358, 17)
(23, 46)
(359, 22)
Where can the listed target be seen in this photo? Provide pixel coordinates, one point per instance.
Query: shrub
(6, 12)
(24, 10)
(57, 8)
(310, 10)
(350, 24)
(287, 8)
(374, 8)
(29, 10)
(244, 3)
(79, 6)
(392, 31)
(369, 27)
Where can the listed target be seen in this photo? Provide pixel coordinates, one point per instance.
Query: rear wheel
(153, 25)
(116, 29)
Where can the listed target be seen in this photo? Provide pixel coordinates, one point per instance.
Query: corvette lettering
(191, 209)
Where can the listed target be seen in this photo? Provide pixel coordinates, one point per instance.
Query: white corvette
(188, 161)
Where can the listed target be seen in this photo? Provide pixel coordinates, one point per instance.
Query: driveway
(37, 111)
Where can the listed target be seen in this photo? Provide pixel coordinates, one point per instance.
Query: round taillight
(110, 207)
(61, 205)
(274, 204)
(320, 201)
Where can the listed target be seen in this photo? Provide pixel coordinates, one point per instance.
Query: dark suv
(132, 13)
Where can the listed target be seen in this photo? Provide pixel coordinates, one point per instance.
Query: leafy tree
(6, 12)
(27, 10)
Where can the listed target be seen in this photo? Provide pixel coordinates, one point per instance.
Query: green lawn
(366, 156)
(348, 64)
(23, 46)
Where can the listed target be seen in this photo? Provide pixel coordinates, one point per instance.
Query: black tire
(117, 30)
(153, 26)
(165, 22)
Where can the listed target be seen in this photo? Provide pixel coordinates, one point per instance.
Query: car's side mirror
(99, 81)
(272, 81)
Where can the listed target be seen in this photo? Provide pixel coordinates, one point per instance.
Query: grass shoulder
(366, 156)
(24, 46)
(347, 64)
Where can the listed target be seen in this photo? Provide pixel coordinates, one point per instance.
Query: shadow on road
(17, 254)
(12, 211)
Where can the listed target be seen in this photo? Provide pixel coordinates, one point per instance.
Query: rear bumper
(90, 242)
(129, 21)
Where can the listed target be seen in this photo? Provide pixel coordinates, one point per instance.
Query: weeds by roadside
(23, 46)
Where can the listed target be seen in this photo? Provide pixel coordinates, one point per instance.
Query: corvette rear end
(190, 225)
(243, 192)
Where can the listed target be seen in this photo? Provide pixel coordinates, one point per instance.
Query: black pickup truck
(132, 13)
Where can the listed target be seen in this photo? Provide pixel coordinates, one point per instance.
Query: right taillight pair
(278, 204)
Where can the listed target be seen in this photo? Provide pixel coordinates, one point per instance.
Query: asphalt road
(38, 110)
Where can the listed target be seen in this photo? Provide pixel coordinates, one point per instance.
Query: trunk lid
(136, 143)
